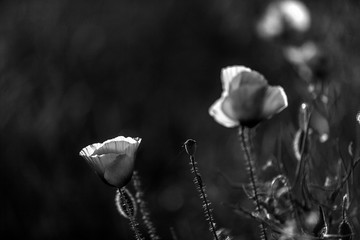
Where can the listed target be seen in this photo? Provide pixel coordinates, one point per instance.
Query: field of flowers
(219, 119)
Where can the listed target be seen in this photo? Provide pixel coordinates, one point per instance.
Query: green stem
(201, 189)
(133, 223)
(302, 150)
(143, 207)
(244, 139)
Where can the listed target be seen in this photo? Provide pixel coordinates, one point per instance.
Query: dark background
(77, 72)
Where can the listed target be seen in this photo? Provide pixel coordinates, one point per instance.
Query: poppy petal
(228, 74)
(274, 102)
(93, 161)
(217, 113)
(119, 170)
(118, 145)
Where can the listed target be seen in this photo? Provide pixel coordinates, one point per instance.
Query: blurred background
(74, 73)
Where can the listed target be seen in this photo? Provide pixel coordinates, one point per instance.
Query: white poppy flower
(284, 15)
(246, 98)
(113, 160)
(303, 54)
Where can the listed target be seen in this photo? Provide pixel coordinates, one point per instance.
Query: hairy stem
(133, 223)
(143, 207)
(245, 144)
(206, 203)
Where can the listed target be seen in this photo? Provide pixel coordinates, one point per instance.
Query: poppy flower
(246, 99)
(283, 16)
(302, 55)
(113, 160)
(311, 61)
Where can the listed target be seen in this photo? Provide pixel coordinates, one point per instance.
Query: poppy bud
(190, 147)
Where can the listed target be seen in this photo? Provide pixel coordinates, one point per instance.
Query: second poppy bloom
(282, 17)
(246, 99)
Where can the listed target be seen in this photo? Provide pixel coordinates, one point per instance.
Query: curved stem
(143, 207)
(244, 139)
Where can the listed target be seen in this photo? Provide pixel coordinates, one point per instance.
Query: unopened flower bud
(304, 115)
(190, 147)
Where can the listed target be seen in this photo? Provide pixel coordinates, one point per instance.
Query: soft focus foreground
(74, 73)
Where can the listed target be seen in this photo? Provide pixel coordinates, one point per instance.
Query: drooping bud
(190, 147)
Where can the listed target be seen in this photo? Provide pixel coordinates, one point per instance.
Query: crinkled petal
(274, 102)
(217, 113)
(97, 162)
(119, 145)
(87, 153)
(228, 74)
(126, 139)
(89, 150)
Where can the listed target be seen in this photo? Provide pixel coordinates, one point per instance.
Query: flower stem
(245, 144)
(173, 234)
(143, 208)
(132, 220)
(206, 202)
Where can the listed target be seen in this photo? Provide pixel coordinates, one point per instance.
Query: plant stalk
(133, 223)
(245, 144)
(206, 204)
